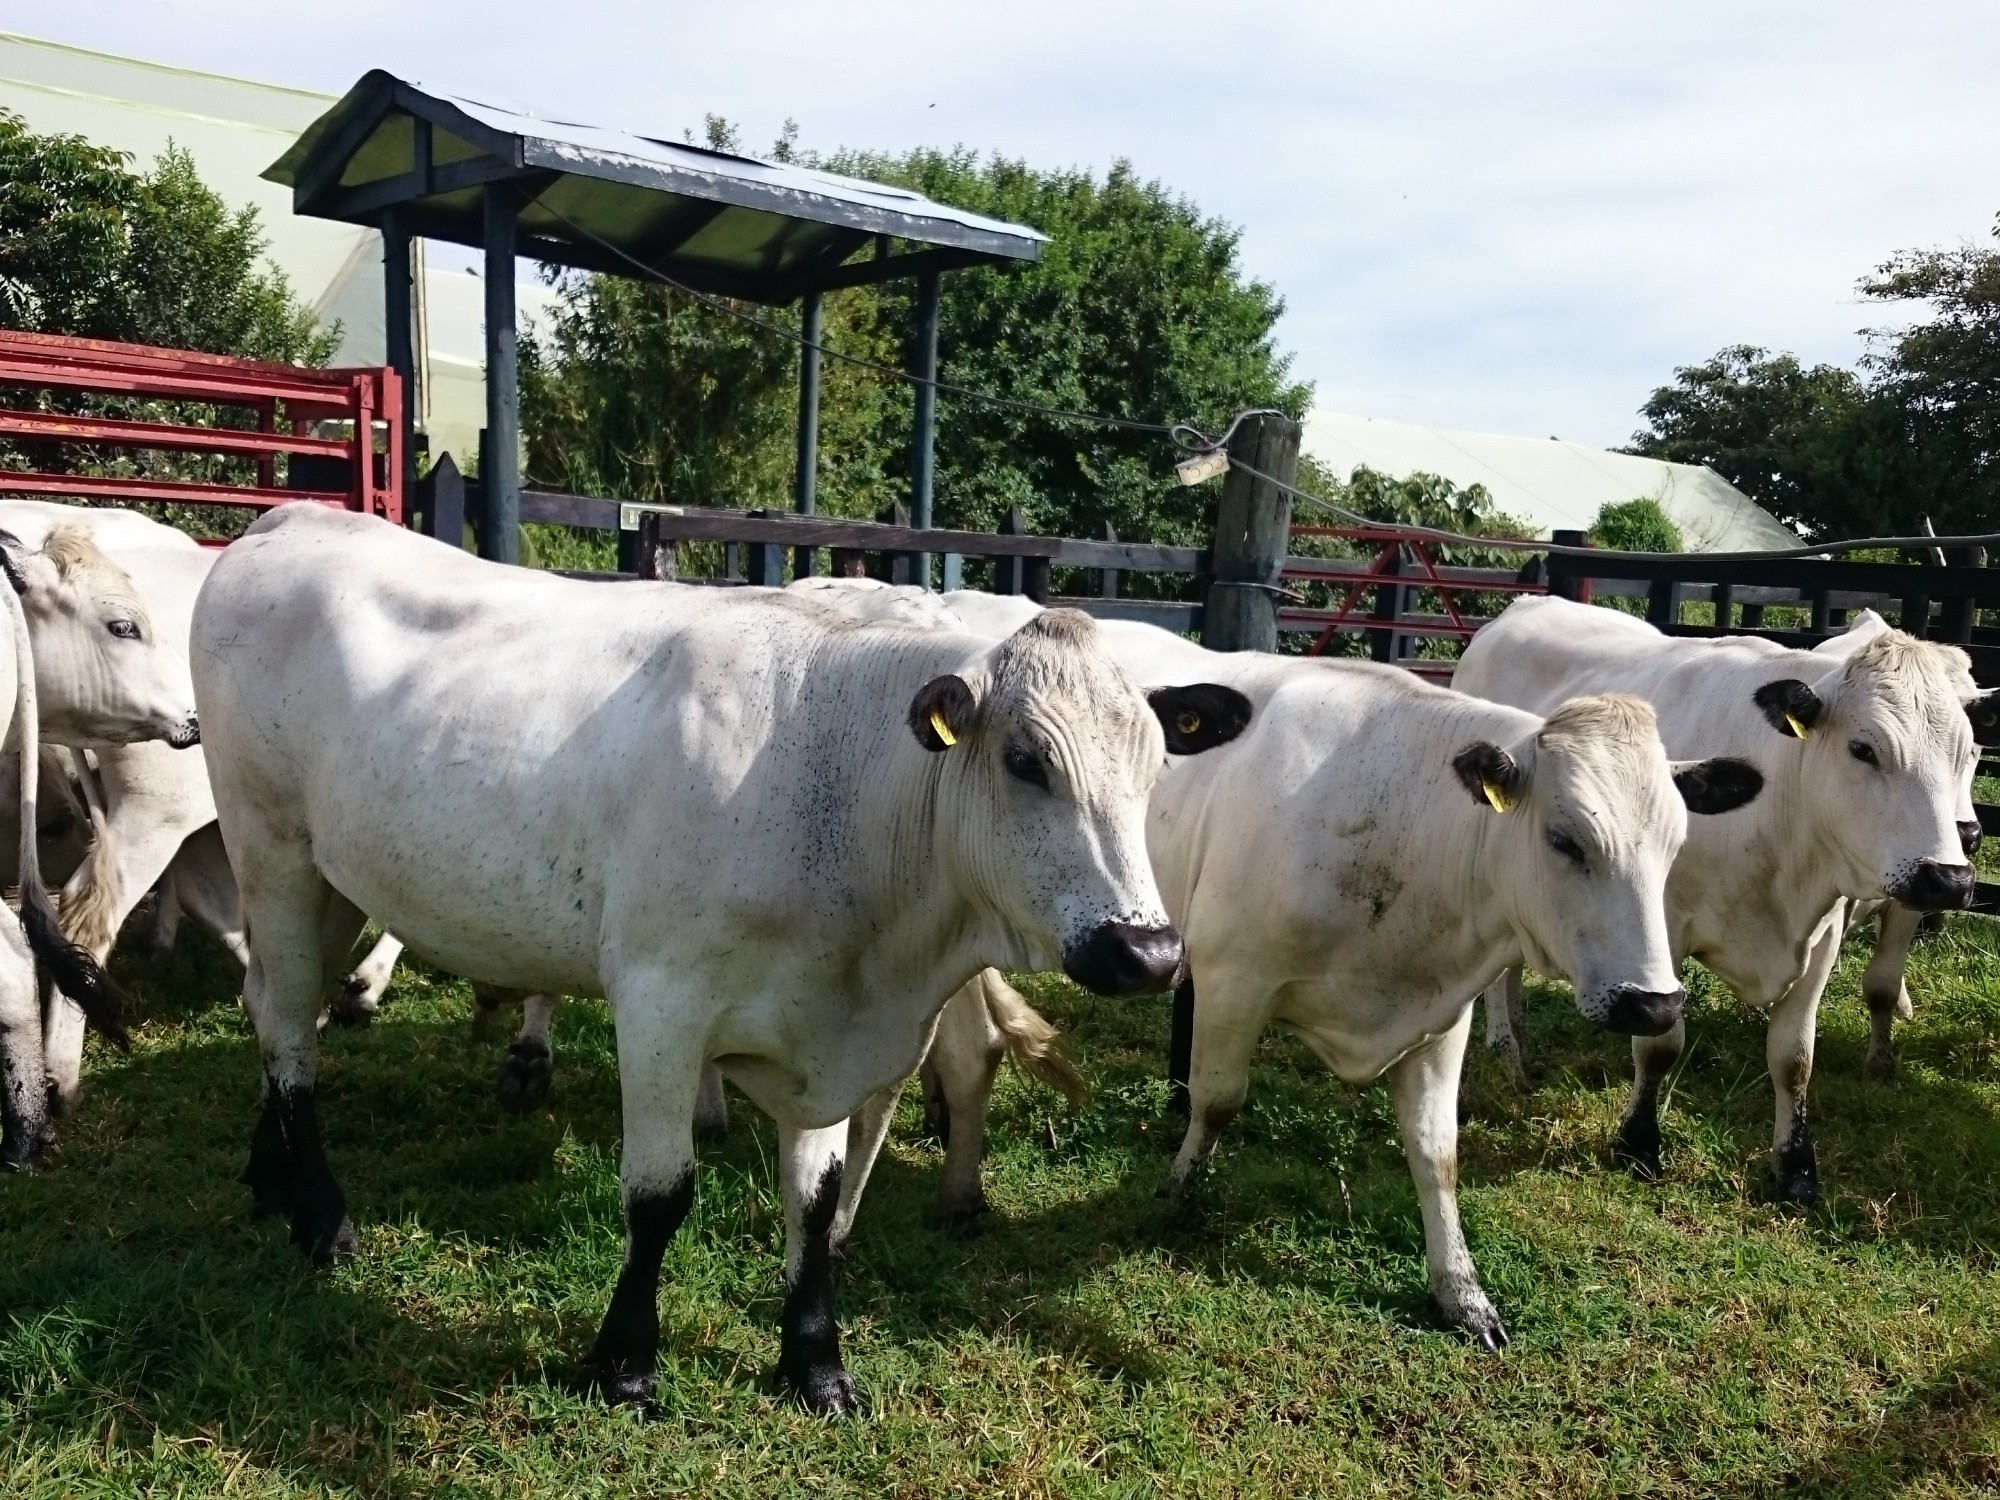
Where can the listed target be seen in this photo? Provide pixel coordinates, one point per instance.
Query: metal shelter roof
(733, 225)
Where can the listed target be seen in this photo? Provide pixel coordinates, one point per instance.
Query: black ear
(1717, 786)
(1791, 706)
(941, 713)
(10, 564)
(1494, 777)
(1199, 716)
(1984, 712)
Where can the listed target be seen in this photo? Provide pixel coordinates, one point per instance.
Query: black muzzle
(1121, 959)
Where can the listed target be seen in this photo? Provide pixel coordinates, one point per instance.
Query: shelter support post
(399, 329)
(805, 481)
(500, 472)
(1252, 531)
(923, 430)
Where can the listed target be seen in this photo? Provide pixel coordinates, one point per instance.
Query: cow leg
(1225, 1035)
(1788, 1052)
(298, 920)
(138, 846)
(166, 919)
(204, 887)
(24, 1091)
(361, 996)
(658, 1074)
(965, 1058)
(1424, 1084)
(711, 1107)
(529, 1067)
(809, 1170)
(867, 1129)
(1882, 986)
(1503, 1026)
(1637, 1144)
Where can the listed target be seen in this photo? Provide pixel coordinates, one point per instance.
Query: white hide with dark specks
(704, 804)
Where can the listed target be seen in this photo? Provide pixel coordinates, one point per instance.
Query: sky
(1505, 217)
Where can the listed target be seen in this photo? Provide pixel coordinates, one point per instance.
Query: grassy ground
(1272, 1338)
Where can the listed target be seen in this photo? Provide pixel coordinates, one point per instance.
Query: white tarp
(1550, 485)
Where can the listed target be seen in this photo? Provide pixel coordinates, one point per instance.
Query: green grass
(1273, 1337)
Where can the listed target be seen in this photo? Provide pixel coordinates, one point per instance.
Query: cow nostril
(1970, 835)
(1636, 1012)
(1936, 887)
(1120, 958)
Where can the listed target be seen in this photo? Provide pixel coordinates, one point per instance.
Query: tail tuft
(75, 972)
(1032, 1041)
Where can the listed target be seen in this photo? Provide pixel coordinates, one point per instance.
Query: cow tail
(91, 900)
(1034, 1044)
(74, 971)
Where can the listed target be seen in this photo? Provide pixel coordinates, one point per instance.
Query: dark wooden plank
(701, 524)
(1129, 557)
(1181, 619)
(1807, 575)
(555, 508)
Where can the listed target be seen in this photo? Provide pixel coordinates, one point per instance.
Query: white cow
(152, 795)
(62, 598)
(1868, 762)
(773, 839)
(1372, 852)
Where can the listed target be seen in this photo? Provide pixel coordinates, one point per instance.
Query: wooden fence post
(1107, 578)
(653, 558)
(1007, 571)
(1961, 614)
(442, 493)
(1569, 585)
(1253, 525)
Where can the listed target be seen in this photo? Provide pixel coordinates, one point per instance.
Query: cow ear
(1791, 706)
(1494, 777)
(1199, 716)
(1984, 714)
(941, 713)
(11, 548)
(1717, 786)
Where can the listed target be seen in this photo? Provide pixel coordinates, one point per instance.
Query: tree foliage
(1636, 526)
(1914, 434)
(88, 247)
(1138, 309)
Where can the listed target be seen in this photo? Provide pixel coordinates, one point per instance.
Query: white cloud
(1515, 217)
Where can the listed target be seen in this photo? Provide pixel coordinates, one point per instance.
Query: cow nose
(1637, 1012)
(1935, 887)
(1119, 958)
(1969, 836)
(187, 733)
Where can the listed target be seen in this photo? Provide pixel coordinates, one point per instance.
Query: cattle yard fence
(340, 431)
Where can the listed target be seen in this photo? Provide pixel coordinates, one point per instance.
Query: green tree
(1138, 308)
(1636, 526)
(89, 247)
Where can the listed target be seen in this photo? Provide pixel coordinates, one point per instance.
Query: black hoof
(525, 1077)
(351, 1007)
(1484, 1328)
(20, 1155)
(324, 1244)
(825, 1390)
(1636, 1148)
(964, 1220)
(627, 1387)
(1795, 1178)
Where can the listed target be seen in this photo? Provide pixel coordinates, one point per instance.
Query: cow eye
(1566, 846)
(1025, 765)
(1863, 752)
(125, 630)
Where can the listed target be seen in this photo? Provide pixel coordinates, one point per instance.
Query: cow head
(104, 674)
(1887, 756)
(1588, 818)
(1047, 760)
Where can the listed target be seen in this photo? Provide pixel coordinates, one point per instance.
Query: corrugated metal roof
(1551, 484)
(755, 228)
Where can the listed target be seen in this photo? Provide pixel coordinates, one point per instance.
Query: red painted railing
(366, 400)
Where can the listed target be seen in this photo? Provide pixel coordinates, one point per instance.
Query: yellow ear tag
(1188, 722)
(1797, 728)
(943, 729)
(1495, 795)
